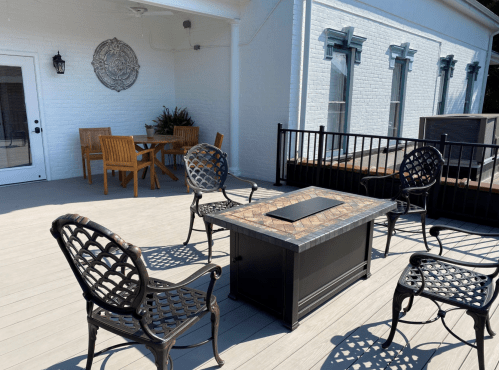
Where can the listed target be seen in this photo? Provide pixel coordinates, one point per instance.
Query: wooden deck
(42, 311)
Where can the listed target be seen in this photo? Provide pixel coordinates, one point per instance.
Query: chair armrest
(367, 178)
(254, 186)
(364, 180)
(435, 231)
(210, 267)
(141, 152)
(416, 258)
(416, 189)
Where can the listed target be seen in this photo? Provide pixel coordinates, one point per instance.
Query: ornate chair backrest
(89, 137)
(189, 133)
(420, 167)
(118, 150)
(219, 140)
(110, 271)
(206, 166)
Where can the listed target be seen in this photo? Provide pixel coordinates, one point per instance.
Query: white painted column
(234, 98)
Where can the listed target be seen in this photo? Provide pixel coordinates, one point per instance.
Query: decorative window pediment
(344, 39)
(402, 52)
(447, 64)
(472, 69)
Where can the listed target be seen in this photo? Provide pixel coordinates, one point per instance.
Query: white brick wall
(436, 32)
(202, 79)
(77, 98)
(270, 69)
(265, 85)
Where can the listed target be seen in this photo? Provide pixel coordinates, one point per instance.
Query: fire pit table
(290, 268)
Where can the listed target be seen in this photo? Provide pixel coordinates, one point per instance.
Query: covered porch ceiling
(225, 9)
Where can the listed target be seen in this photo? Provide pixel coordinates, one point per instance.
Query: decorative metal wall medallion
(115, 64)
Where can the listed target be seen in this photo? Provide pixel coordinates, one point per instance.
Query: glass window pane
(338, 82)
(337, 96)
(394, 117)
(14, 137)
(396, 82)
(395, 99)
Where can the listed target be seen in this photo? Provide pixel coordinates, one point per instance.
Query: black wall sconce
(59, 64)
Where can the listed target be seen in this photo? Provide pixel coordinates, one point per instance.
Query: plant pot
(150, 132)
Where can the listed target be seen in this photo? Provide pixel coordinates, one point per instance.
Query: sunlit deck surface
(43, 320)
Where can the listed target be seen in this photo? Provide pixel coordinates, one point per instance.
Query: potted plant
(167, 120)
(150, 130)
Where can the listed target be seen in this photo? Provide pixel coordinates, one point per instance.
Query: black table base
(291, 284)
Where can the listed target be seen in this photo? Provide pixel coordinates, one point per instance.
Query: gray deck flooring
(42, 312)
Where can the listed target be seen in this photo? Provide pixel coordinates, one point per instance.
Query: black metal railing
(339, 160)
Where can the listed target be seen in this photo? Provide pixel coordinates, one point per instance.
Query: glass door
(21, 146)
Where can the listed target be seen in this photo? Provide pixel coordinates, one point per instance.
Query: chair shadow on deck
(79, 362)
(159, 258)
(409, 230)
(361, 349)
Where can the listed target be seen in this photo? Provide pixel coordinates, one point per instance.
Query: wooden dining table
(157, 142)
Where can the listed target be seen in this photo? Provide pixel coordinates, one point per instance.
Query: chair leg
(112, 173)
(392, 220)
(162, 356)
(163, 161)
(409, 305)
(105, 181)
(489, 328)
(92, 336)
(480, 323)
(190, 228)
(84, 167)
(215, 321)
(174, 162)
(153, 175)
(136, 184)
(89, 169)
(423, 224)
(209, 232)
(398, 298)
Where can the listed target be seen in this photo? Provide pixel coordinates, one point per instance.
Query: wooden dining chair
(218, 143)
(91, 148)
(219, 140)
(119, 154)
(191, 137)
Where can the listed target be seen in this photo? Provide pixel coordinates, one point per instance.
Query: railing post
(432, 207)
(278, 156)
(319, 155)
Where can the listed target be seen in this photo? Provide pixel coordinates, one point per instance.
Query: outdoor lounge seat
(91, 148)
(207, 169)
(119, 153)
(131, 304)
(218, 143)
(190, 134)
(442, 279)
(418, 172)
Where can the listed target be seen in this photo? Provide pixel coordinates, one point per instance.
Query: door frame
(41, 111)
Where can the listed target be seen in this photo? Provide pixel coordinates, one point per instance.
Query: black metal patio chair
(207, 170)
(146, 310)
(418, 172)
(441, 279)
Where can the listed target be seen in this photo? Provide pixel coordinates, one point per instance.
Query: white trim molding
(401, 52)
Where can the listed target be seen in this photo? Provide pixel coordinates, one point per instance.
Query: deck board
(42, 313)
